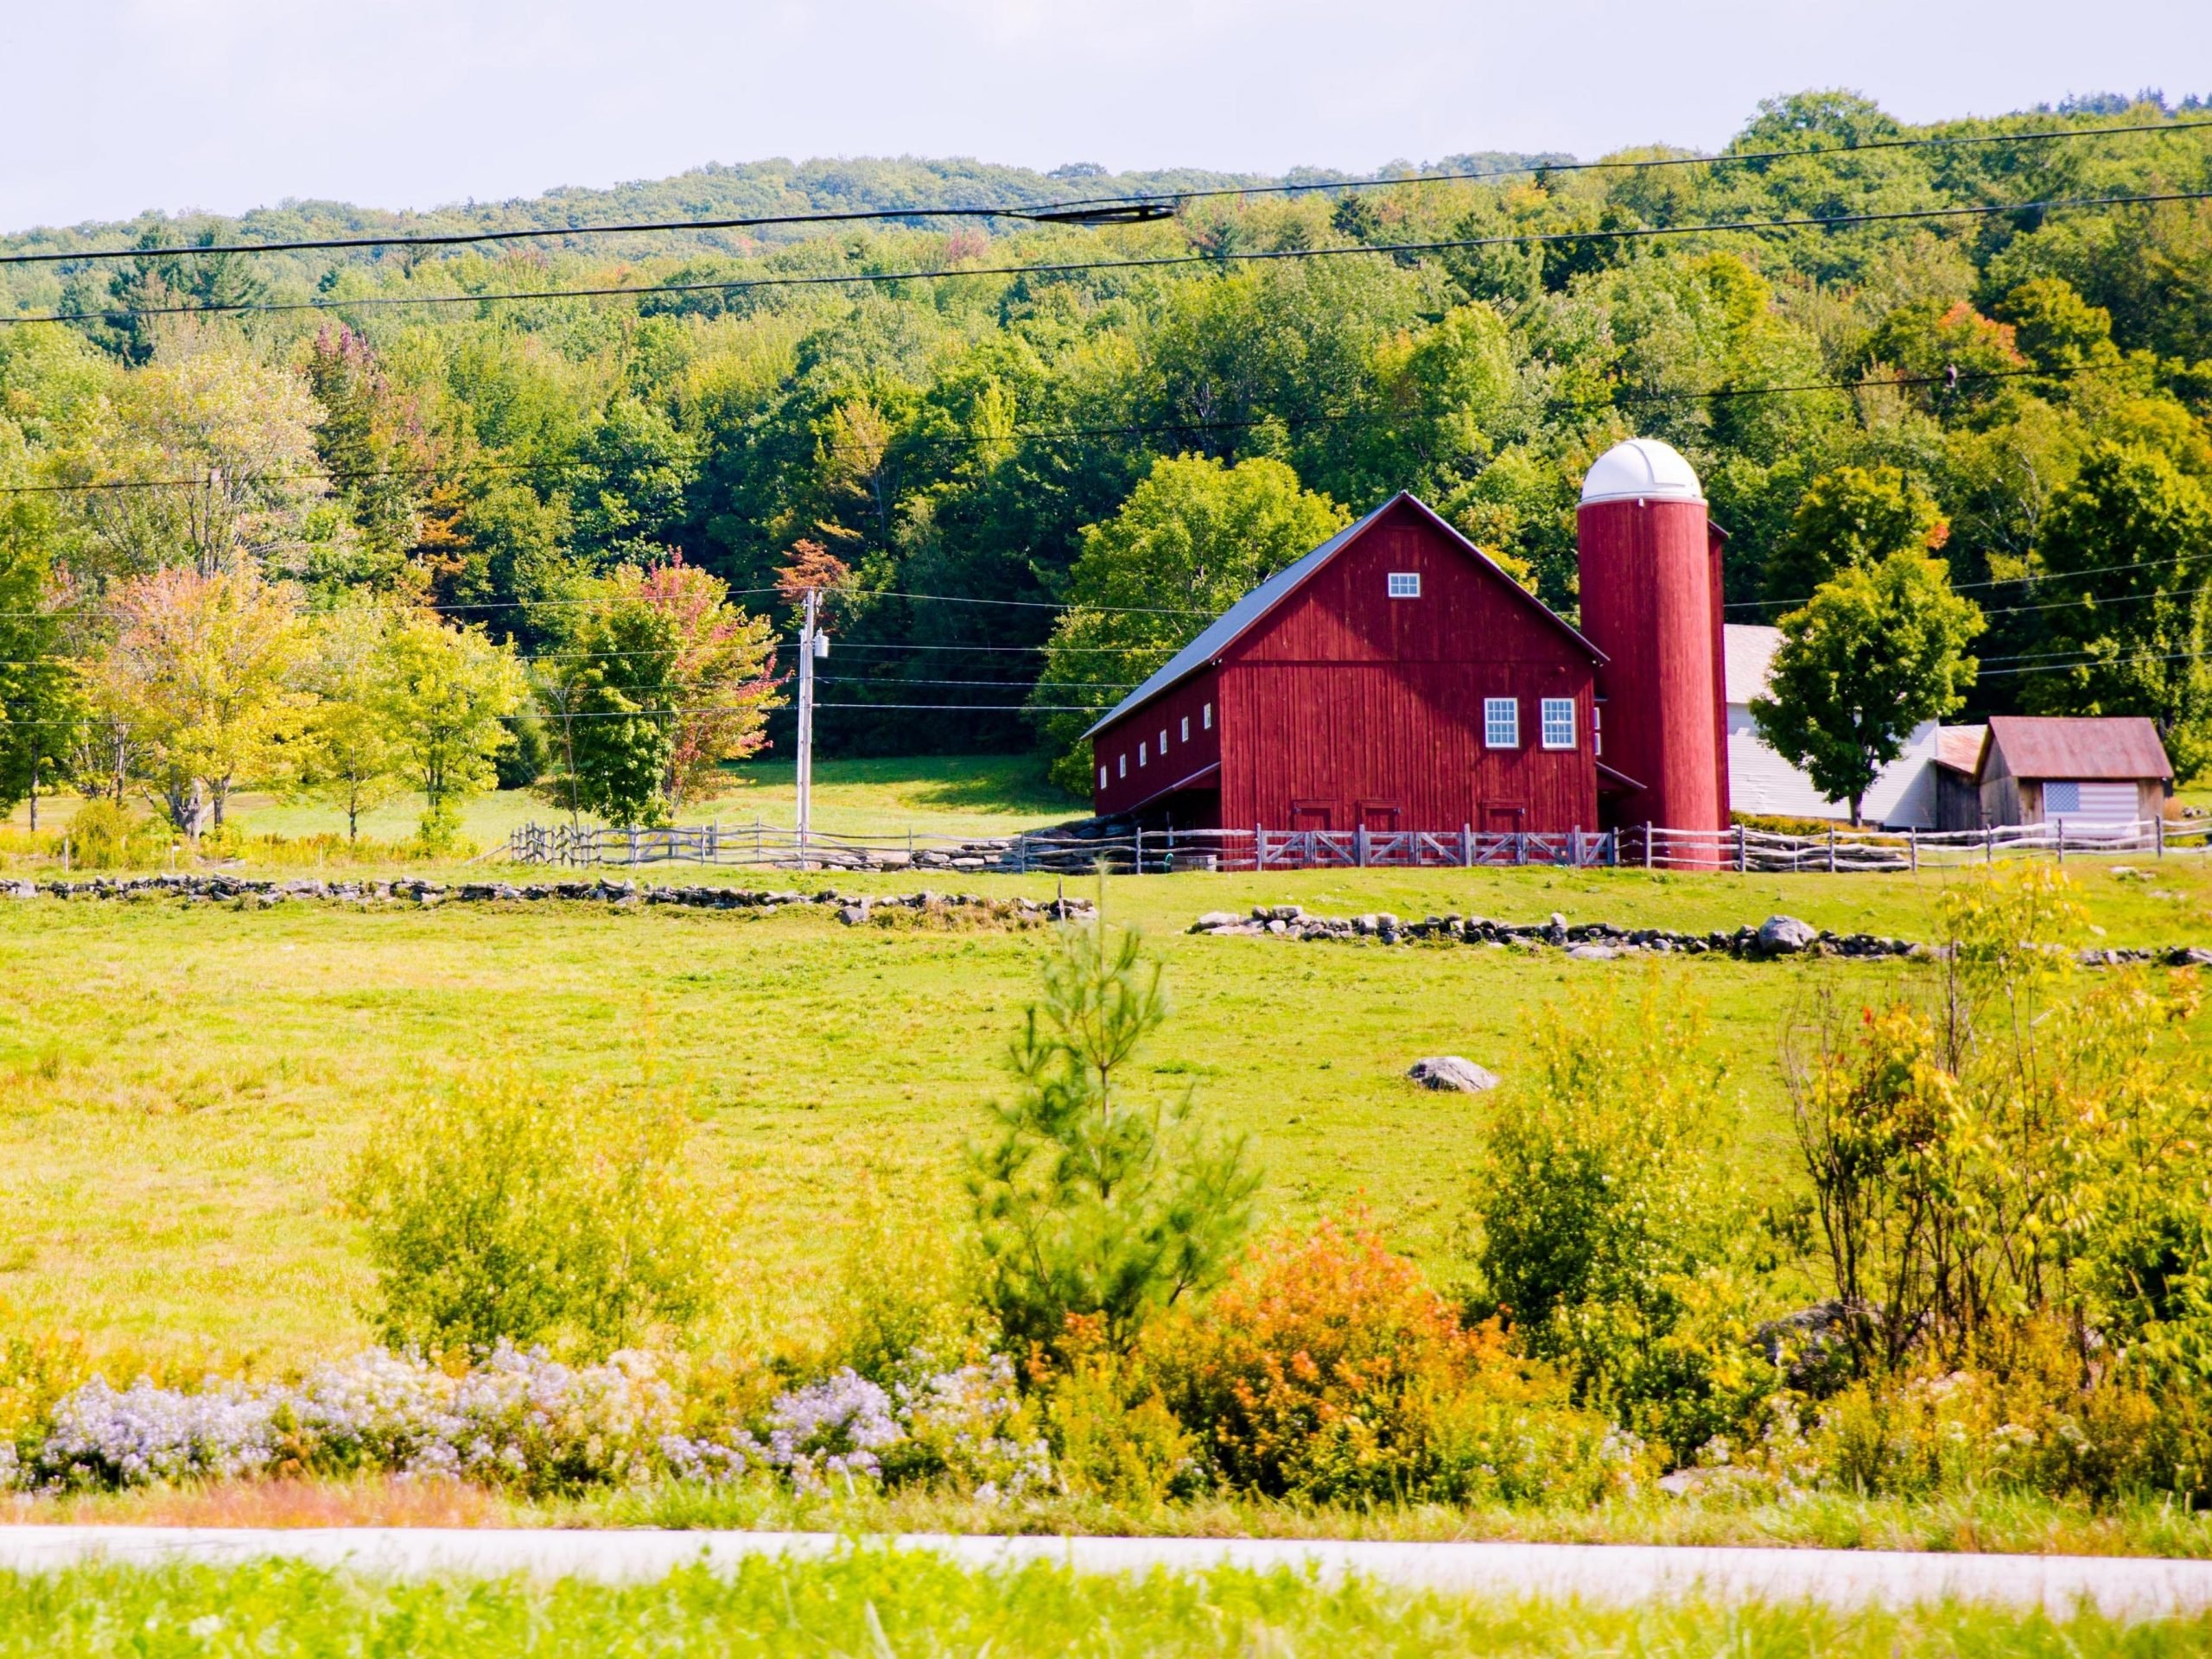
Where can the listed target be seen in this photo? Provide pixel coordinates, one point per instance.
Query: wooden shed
(1394, 678)
(2086, 771)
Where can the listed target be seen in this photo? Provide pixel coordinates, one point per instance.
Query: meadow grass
(879, 1602)
(932, 795)
(1984, 1519)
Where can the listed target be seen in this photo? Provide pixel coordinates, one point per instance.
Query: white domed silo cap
(1641, 469)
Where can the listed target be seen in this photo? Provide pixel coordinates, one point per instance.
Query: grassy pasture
(182, 1087)
(879, 1602)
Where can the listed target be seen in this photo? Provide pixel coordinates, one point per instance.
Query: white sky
(115, 105)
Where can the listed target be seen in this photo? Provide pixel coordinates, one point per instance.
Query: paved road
(1616, 1572)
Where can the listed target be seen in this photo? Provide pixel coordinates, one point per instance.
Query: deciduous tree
(444, 694)
(1877, 650)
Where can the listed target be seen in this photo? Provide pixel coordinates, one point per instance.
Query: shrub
(497, 1210)
(1608, 1228)
(106, 836)
(2016, 1149)
(1090, 1203)
(1112, 1434)
(1326, 1370)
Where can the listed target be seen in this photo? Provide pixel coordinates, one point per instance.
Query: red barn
(1393, 679)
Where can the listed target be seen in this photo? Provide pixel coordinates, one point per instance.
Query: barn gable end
(1338, 702)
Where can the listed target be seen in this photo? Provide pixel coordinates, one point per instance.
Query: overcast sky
(115, 105)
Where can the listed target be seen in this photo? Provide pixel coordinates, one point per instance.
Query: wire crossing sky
(116, 107)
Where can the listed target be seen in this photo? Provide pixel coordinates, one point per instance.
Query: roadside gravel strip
(2117, 1587)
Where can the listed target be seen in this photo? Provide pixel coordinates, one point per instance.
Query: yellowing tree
(202, 670)
(350, 760)
(443, 695)
(231, 442)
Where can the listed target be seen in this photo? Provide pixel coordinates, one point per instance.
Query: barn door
(1310, 815)
(1503, 817)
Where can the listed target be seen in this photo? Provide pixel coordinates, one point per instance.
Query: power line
(2040, 576)
(1081, 210)
(1818, 222)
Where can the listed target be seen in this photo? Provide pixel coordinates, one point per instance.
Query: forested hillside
(1958, 361)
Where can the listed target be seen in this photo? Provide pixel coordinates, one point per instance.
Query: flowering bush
(520, 1419)
(1328, 1371)
(525, 1421)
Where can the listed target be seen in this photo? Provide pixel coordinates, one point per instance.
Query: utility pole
(812, 643)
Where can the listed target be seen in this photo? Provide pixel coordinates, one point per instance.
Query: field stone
(1451, 1071)
(1594, 953)
(1215, 919)
(1785, 936)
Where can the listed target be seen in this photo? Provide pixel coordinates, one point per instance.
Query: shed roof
(2079, 746)
(1234, 623)
(1959, 748)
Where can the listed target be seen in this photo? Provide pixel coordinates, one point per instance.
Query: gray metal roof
(1225, 629)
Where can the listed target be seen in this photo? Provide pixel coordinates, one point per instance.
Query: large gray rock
(1785, 936)
(1213, 919)
(1450, 1071)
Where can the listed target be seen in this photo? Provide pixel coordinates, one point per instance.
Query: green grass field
(945, 795)
(182, 1087)
(885, 1603)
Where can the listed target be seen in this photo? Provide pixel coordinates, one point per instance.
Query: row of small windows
(1501, 722)
(1144, 750)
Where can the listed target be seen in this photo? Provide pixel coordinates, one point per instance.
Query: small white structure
(1761, 782)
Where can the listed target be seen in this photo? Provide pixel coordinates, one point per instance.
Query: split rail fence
(1152, 852)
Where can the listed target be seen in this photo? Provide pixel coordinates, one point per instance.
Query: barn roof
(2071, 746)
(1234, 623)
(1747, 653)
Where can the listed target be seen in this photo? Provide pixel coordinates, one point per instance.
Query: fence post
(1831, 850)
(1259, 848)
(1466, 846)
(1647, 843)
(1359, 845)
(2062, 841)
(1520, 845)
(2158, 828)
(1912, 845)
(1742, 865)
(1139, 855)
(1988, 843)
(1574, 847)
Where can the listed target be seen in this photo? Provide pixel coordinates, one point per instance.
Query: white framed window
(1405, 584)
(1163, 742)
(1558, 718)
(1186, 728)
(1597, 729)
(1123, 758)
(1501, 722)
(1102, 776)
(1208, 712)
(1140, 755)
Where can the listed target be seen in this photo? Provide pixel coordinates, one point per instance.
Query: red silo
(1651, 601)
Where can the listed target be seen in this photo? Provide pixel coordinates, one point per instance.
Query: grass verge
(884, 1602)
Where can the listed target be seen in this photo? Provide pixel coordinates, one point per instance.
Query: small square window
(1102, 776)
(1559, 722)
(1405, 584)
(1501, 722)
(1140, 755)
(1124, 758)
(1186, 728)
(1208, 713)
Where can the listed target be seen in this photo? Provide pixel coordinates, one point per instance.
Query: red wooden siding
(1161, 773)
(1344, 706)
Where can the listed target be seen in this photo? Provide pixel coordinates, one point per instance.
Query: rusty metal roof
(2079, 746)
(1959, 748)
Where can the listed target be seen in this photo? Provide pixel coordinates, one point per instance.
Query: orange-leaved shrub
(1327, 1370)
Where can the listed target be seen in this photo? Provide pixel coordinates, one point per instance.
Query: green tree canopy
(1193, 537)
(2127, 554)
(1879, 650)
(444, 694)
(1849, 519)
